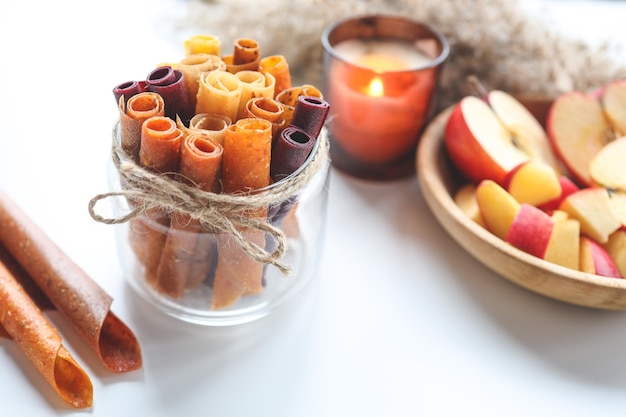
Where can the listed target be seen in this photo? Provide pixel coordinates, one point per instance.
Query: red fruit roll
(310, 114)
(128, 89)
(171, 85)
(291, 149)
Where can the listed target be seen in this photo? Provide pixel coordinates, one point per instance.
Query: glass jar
(220, 283)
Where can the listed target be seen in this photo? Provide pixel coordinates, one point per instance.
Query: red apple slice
(577, 129)
(564, 245)
(616, 247)
(591, 207)
(595, 259)
(528, 134)
(478, 144)
(614, 104)
(608, 166)
(533, 182)
(497, 207)
(531, 230)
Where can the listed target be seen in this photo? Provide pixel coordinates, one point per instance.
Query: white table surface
(400, 322)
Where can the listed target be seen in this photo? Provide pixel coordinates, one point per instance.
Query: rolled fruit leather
(219, 92)
(269, 109)
(245, 167)
(170, 84)
(187, 254)
(211, 125)
(254, 84)
(289, 98)
(161, 141)
(203, 44)
(69, 288)
(42, 344)
(310, 114)
(278, 66)
(246, 56)
(192, 66)
(128, 89)
(133, 113)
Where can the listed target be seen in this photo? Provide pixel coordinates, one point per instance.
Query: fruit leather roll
(289, 98)
(219, 92)
(188, 253)
(25, 323)
(310, 114)
(128, 89)
(133, 113)
(246, 56)
(69, 288)
(160, 152)
(278, 66)
(203, 44)
(171, 85)
(269, 109)
(245, 167)
(254, 84)
(192, 66)
(211, 125)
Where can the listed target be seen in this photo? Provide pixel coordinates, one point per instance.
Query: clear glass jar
(193, 298)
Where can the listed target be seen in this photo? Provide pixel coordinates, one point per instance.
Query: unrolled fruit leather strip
(254, 84)
(289, 98)
(69, 288)
(245, 167)
(203, 44)
(278, 66)
(160, 152)
(42, 343)
(219, 92)
(171, 85)
(138, 109)
(192, 66)
(188, 252)
(211, 125)
(310, 114)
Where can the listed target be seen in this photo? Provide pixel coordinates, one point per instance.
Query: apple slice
(478, 144)
(564, 245)
(616, 247)
(533, 182)
(591, 207)
(497, 207)
(607, 168)
(567, 187)
(595, 259)
(577, 129)
(614, 104)
(528, 134)
(617, 201)
(531, 230)
(465, 198)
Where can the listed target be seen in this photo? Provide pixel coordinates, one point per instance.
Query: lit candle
(380, 90)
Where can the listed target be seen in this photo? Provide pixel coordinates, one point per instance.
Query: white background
(400, 321)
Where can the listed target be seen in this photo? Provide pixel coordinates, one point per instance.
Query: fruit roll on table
(245, 168)
(161, 141)
(74, 293)
(23, 321)
(188, 252)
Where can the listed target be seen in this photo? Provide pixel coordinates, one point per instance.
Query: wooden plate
(439, 180)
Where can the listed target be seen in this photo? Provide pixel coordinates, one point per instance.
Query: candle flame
(375, 88)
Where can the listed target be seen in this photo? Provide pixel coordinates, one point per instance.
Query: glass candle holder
(222, 284)
(380, 76)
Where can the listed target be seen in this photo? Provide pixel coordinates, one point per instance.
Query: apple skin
(473, 121)
(595, 259)
(567, 187)
(531, 230)
(613, 99)
(577, 130)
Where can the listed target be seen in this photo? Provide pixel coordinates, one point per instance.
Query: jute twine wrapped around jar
(219, 213)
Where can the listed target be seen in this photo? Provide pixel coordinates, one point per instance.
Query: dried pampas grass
(494, 40)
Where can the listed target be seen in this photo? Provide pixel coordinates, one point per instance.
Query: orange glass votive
(380, 77)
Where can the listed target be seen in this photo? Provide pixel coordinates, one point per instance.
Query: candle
(381, 90)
